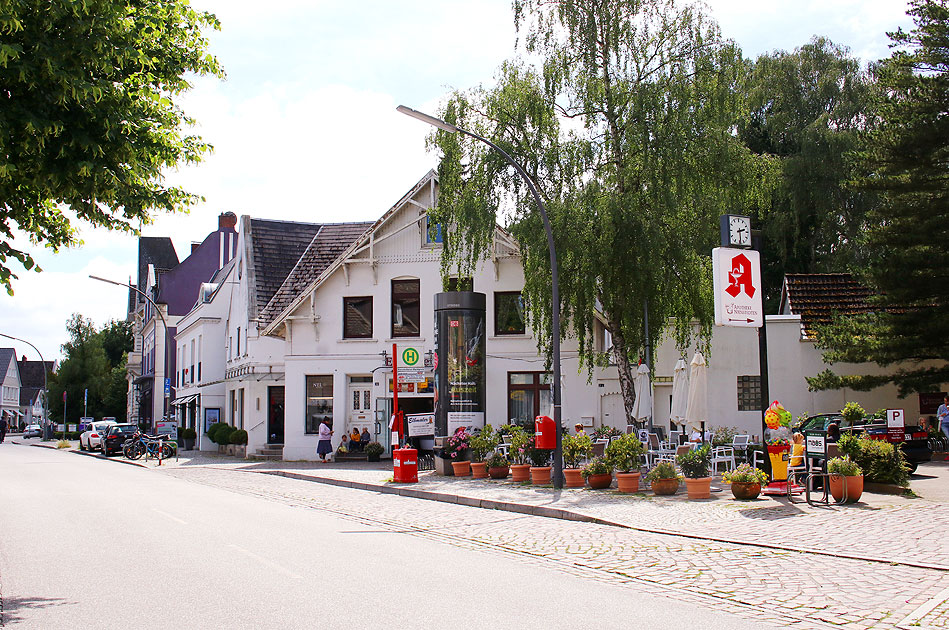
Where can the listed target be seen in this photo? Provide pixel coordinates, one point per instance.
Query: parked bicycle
(148, 445)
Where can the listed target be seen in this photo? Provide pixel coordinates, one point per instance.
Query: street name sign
(737, 285)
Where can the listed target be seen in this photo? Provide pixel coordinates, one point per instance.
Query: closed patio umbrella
(680, 392)
(642, 406)
(696, 412)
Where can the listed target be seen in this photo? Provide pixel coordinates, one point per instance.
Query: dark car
(115, 436)
(913, 440)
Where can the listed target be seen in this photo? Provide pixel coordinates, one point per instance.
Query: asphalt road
(87, 543)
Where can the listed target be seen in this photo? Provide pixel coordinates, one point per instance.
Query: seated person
(833, 433)
(342, 446)
(797, 450)
(355, 442)
(365, 438)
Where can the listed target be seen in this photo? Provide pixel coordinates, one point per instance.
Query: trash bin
(405, 465)
(545, 433)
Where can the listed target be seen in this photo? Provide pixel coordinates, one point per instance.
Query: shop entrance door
(360, 403)
(275, 400)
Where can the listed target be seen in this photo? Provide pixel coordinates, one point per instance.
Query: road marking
(912, 620)
(267, 562)
(174, 518)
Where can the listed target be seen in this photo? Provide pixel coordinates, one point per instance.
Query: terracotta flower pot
(854, 488)
(665, 486)
(462, 468)
(746, 490)
(498, 472)
(700, 488)
(600, 482)
(572, 478)
(520, 472)
(479, 470)
(627, 482)
(540, 475)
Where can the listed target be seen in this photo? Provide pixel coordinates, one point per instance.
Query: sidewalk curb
(85, 454)
(570, 515)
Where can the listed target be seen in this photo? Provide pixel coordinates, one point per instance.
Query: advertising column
(459, 361)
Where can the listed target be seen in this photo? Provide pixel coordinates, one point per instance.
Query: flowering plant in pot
(664, 478)
(598, 473)
(456, 448)
(482, 443)
(373, 450)
(520, 469)
(624, 454)
(846, 479)
(602, 433)
(498, 466)
(695, 465)
(540, 462)
(746, 481)
(576, 448)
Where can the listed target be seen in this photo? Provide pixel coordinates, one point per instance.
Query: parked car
(91, 438)
(913, 440)
(115, 437)
(33, 430)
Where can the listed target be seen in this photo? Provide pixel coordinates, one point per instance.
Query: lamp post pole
(166, 390)
(554, 283)
(46, 432)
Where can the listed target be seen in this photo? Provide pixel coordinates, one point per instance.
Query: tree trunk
(624, 369)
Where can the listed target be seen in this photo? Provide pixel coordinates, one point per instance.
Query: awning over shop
(184, 400)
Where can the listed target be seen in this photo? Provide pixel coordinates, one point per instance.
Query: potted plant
(188, 436)
(576, 448)
(482, 443)
(373, 450)
(498, 466)
(746, 481)
(695, 465)
(456, 449)
(664, 478)
(847, 490)
(520, 469)
(540, 462)
(624, 454)
(605, 432)
(238, 442)
(598, 473)
(853, 413)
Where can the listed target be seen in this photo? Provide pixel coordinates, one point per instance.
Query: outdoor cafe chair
(723, 455)
(670, 455)
(599, 447)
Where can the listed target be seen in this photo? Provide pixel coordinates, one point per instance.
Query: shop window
(357, 317)
(405, 308)
(749, 393)
(319, 402)
(508, 313)
(528, 396)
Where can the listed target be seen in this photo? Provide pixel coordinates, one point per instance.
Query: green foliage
(374, 449)
(745, 473)
(844, 466)
(626, 124)
(696, 463)
(222, 436)
(238, 437)
(624, 452)
(519, 442)
(597, 466)
(724, 436)
(483, 443)
(663, 470)
(497, 460)
(91, 118)
(188, 433)
(880, 461)
(213, 429)
(853, 412)
(537, 456)
(908, 232)
(576, 448)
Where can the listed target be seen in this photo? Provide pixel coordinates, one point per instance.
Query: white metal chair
(723, 455)
(670, 455)
(740, 446)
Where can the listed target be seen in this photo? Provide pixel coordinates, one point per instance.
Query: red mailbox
(405, 465)
(545, 432)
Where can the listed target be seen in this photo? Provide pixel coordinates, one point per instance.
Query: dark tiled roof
(6, 355)
(32, 379)
(817, 296)
(329, 243)
(276, 248)
(152, 250)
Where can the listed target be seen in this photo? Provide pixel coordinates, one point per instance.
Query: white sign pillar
(737, 285)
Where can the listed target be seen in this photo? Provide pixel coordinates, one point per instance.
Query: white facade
(10, 391)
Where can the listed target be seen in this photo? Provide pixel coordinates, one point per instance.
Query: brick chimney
(226, 220)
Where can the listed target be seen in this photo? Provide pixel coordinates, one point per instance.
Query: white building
(9, 387)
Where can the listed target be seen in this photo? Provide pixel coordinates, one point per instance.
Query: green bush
(844, 466)
(374, 449)
(188, 433)
(853, 413)
(238, 437)
(497, 460)
(696, 463)
(222, 436)
(624, 453)
(483, 442)
(880, 461)
(214, 428)
(663, 470)
(597, 466)
(576, 448)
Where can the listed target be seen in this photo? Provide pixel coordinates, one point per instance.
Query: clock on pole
(735, 231)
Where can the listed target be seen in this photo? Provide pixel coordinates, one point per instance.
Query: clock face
(739, 231)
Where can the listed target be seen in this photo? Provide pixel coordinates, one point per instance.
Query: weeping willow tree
(624, 113)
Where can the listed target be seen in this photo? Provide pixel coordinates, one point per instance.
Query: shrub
(624, 453)
(663, 470)
(576, 448)
(853, 412)
(844, 466)
(880, 461)
(483, 443)
(745, 473)
(597, 466)
(537, 456)
(374, 449)
(222, 436)
(214, 428)
(238, 437)
(604, 432)
(696, 463)
(63, 444)
(497, 460)
(188, 433)
(519, 442)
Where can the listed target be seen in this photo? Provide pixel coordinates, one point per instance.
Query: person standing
(325, 445)
(943, 415)
(3, 429)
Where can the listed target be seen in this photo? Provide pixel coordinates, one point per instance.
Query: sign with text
(737, 283)
(895, 424)
(815, 445)
(421, 424)
(164, 427)
(412, 375)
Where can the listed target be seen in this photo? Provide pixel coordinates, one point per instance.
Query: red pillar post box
(545, 433)
(405, 465)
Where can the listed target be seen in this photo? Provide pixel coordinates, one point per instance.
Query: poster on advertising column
(459, 361)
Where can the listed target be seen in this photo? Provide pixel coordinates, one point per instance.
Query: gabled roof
(816, 297)
(152, 250)
(329, 243)
(272, 249)
(6, 355)
(32, 372)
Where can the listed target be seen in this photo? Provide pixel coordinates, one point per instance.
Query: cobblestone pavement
(781, 586)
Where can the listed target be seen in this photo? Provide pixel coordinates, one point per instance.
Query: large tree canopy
(907, 155)
(627, 122)
(89, 117)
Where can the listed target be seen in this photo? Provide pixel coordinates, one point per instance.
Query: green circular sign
(410, 356)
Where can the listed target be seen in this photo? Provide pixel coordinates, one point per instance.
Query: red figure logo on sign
(740, 277)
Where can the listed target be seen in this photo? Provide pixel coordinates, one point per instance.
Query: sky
(304, 127)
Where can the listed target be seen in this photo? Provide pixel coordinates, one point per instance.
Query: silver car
(91, 438)
(33, 430)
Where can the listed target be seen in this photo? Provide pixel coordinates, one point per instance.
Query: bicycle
(149, 446)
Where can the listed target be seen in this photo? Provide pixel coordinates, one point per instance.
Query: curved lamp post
(163, 323)
(555, 287)
(46, 432)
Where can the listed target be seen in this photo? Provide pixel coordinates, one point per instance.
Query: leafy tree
(809, 108)
(90, 118)
(909, 233)
(627, 125)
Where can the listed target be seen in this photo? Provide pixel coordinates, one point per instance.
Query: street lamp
(555, 287)
(163, 322)
(46, 432)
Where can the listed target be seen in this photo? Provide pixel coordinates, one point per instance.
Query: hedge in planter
(880, 461)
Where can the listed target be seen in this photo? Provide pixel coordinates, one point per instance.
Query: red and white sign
(737, 277)
(895, 424)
